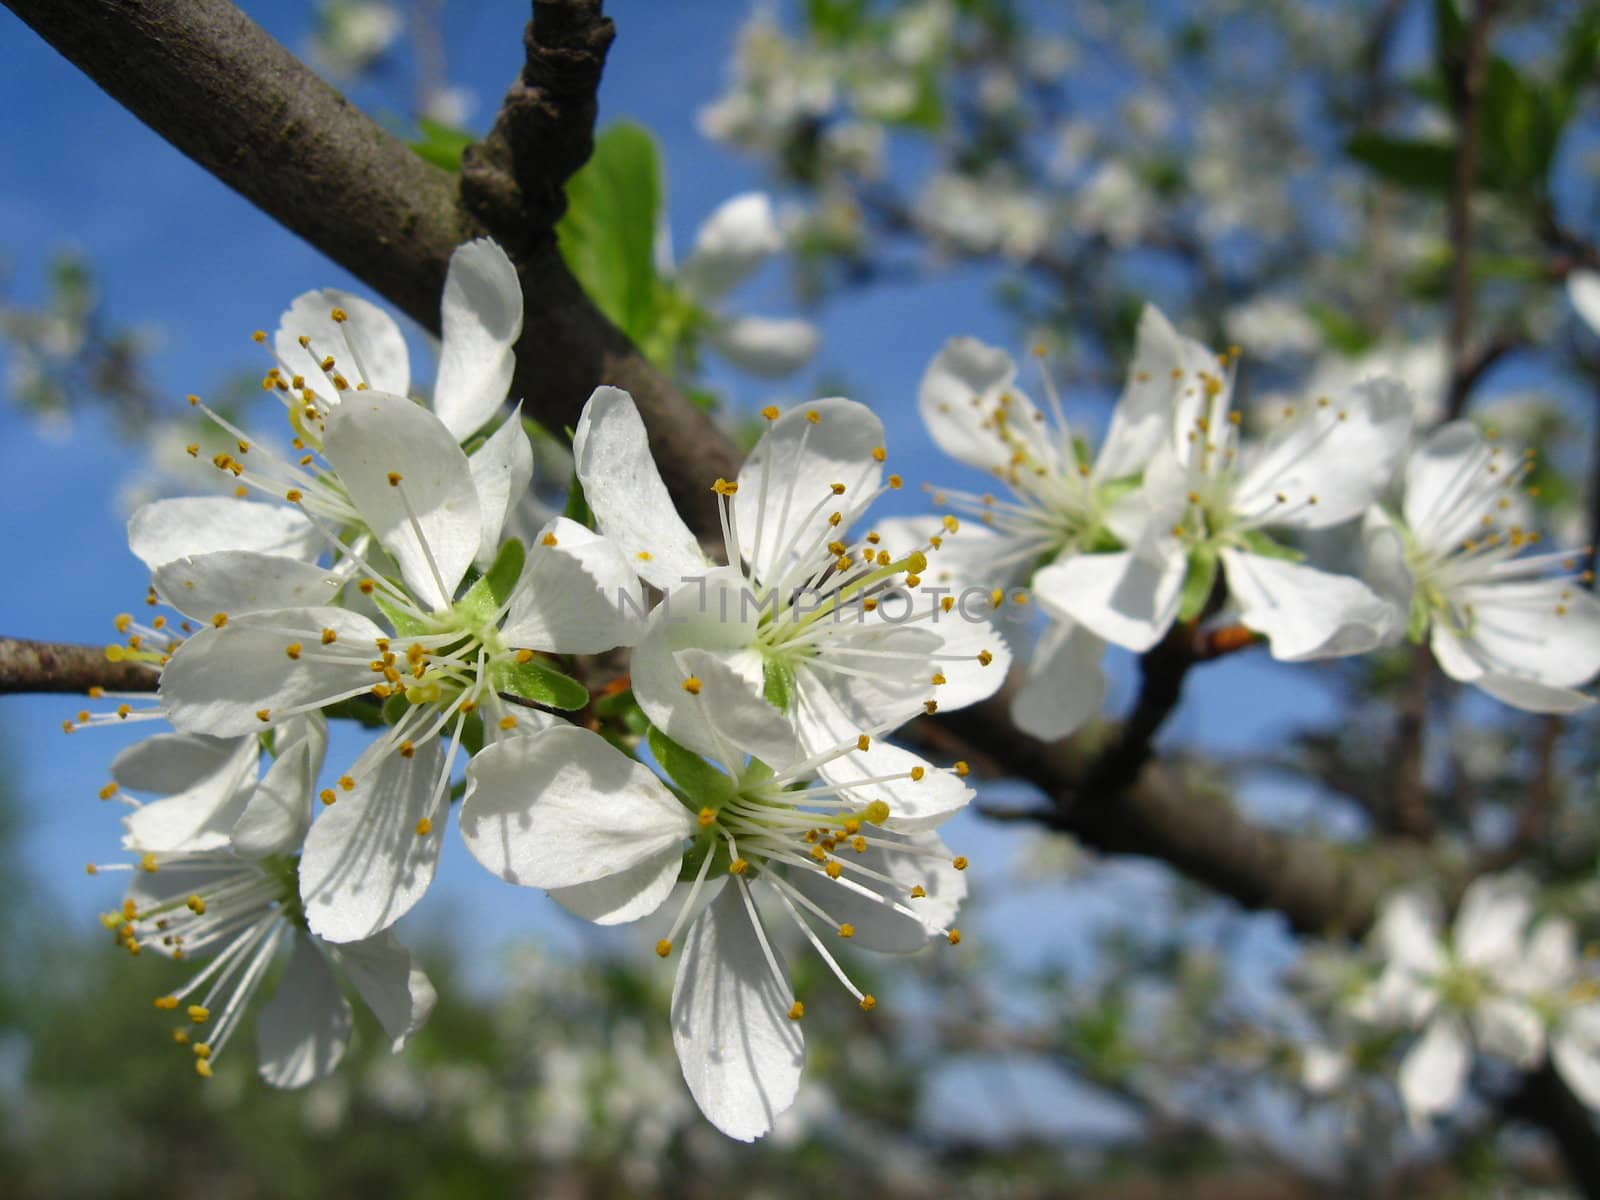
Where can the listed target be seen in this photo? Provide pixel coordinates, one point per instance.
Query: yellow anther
(548, 539)
(692, 685)
(123, 622)
(723, 487)
(663, 947)
(293, 649)
(833, 870)
(946, 603)
(847, 930)
(202, 1068)
(813, 416)
(961, 769)
(407, 748)
(930, 707)
(424, 827)
(263, 715)
(508, 722)
(835, 518)
(329, 636)
(836, 488)
(868, 1002)
(896, 482)
(199, 1013)
(706, 817)
(643, 556)
(738, 866)
(108, 791)
(875, 813)
(294, 495)
(879, 454)
(959, 862)
(339, 315)
(167, 1002)
(394, 478)
(796, 1011)
(937, 678)
(770, 412)
(954, 937)
(858, 844)
(196, 905)
(96, 692)
(917, 773)
(219, 619)
(328, 795)
(985, 658)
(863, 742)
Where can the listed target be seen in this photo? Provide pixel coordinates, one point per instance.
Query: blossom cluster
(738, 789)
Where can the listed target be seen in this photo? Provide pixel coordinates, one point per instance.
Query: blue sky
(176, 250)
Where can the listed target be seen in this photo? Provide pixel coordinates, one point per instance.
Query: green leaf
(607, 236)
(441, 144)
(577, 508)
(1261, 543)
(538, 681)
(1197, 584)
(777, 685)
(1339, 330)
(405, 624)
(1519, 135)
(1414, 163)
(484, 598)
(703, 782)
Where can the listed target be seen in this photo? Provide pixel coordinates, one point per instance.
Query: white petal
(397, 991)
(502, 469)
(1552, 958)
(710, 615)
(741, 1054)
(1575, 1050)
(626, 896)
(169, 763)
(742, 719)
(968, 678)
(366, 348)
(770, 347)
(1495, 911)
(880, 924)
(624, 490)
(1583, 289)
(1407, 931)
(734, 240)
(973, 411)
(1446, 478)
(1533, 697)
(563, 807)
(1143, 416)
(302, 1032)
(220, 680)
(200, 816)
(373, 437)
(1383, 563)
(577, 596)
(365, 865)
(1543, 630)
(1509, 1028)
(1127, 598)
(879, 673)
(278, 813)
(480, 319)
(913, 804)
(1306, 613)
(1065, 685)
(165, 530)
(1434, 1071)
(242, 581)
(786, 484)
(1342, 455)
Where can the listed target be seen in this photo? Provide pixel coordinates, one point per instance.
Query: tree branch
(27, 666)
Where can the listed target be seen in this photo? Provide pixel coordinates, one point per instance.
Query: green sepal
(484, 598)
(538, 681)
(1257, 542)
(405, 624)
(472, 734)
(1417, 623)
(1197, 584)
(777, 685)
(395, 707)
(703, 783)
